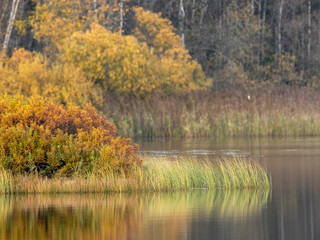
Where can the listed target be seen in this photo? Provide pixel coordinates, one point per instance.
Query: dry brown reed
(272, 111)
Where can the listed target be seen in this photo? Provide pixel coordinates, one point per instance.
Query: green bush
(37, 136)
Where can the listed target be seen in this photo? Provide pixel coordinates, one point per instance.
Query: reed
(272, 111)
(156, 174)
(184, 174)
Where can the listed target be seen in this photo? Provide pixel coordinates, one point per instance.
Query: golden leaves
(29, 73)
(81, 58)
(151, 60)
(37, 135)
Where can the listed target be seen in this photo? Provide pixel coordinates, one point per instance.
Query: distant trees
(237, 48)
(150, 60)
(237, 43)
(83, 53)
(291, 25)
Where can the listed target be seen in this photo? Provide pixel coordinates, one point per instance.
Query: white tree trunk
(280, 39)
(95, 10)
(13, 13)
(309, 32)
(181, 21)
(121, 16)
(280, 27)
(252, 7)
(260, 33)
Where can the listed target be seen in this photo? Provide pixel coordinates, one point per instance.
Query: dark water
(291, 210)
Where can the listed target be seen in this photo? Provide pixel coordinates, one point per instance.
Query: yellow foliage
(178, 71)
(118, 63)
(157, 32)
(81, 57)
(54, 20)
(134, 65)
(27, 73)
(68, 85)
(23, 73)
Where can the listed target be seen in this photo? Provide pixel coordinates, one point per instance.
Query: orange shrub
(39, 136)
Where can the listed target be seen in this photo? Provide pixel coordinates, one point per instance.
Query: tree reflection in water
(122, 216)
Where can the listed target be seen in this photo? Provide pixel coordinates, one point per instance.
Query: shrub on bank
(37, 136)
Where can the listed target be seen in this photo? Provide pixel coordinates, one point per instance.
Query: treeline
(252, 41)
(73, 51)
(238, 43)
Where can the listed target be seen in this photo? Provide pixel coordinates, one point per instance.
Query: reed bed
(156, 174)
(270, 111)
(184, 174)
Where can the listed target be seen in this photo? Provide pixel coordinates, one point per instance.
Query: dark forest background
(238, 43)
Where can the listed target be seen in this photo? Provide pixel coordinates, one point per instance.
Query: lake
(290, 210)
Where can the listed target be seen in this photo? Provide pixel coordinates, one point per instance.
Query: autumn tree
(53, 21)
(180, 72)
(123, 64)
(82, 57)
(117, 63)
(28, 73)
(24, 73)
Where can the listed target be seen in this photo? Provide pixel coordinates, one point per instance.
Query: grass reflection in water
(121, 216)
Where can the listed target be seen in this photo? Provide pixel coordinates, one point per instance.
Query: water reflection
(290, 211)
(123, 216)
(293, 208)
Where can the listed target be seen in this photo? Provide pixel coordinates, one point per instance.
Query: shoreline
(156, 175)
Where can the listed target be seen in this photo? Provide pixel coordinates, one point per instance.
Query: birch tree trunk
(280, 27)
(181, 21)
(95, 10)
(13, 13)
(309, 34)
(121, 16)
(260, 34)
(280, 41)
(252, 7)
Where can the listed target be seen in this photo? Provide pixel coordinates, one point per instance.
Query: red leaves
(37, 135)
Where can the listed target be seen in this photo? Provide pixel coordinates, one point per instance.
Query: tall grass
(157, 174)
(273, 111)
(183, 174)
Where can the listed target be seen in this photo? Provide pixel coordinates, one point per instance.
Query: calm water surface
(291, 210)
